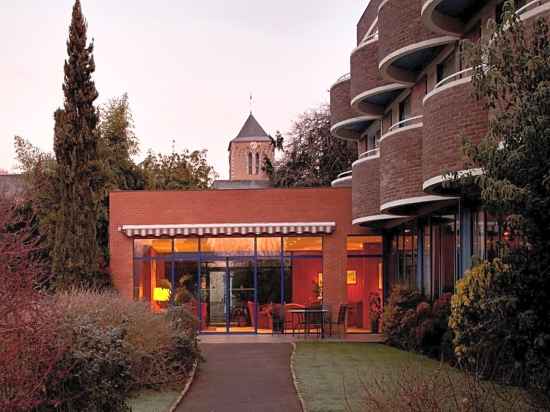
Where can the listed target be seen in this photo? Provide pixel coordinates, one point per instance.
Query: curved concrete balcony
(346, 123)
(370, 93)
(406, 45)
(401, 169)
(343, 180)
(450, 17)
(366, 191)
(534, 8)
(451, 115)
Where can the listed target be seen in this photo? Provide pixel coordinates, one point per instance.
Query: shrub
(30, 345)
(412, 323)
(150, 340)
(94, 375)
(399, 316)
(443, 389)
(483, 320)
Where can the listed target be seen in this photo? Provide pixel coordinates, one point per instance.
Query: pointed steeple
(252, 131)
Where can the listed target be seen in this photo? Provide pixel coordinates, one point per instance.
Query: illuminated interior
(233, 284)
(364, 281)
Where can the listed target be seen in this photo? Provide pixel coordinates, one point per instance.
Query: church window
(250, 163)
(257, 163)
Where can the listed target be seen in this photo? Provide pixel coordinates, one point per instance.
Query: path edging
(186, 387)
(294, 379)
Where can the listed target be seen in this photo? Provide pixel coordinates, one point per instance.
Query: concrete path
(243, 377)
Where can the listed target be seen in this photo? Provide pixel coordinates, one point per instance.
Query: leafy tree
(512, 75)
(118, 145)
(312, 157)
(178, 171)
(75, 253)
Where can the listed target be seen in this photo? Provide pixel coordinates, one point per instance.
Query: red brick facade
(450, 116)
(401, 165)
(368, 17)
(366, 188)
(364, 72)
(340, 103)
(235, 206)
(401, 25)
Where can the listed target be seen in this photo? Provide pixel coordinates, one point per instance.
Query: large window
(233, 284)
(403, 256)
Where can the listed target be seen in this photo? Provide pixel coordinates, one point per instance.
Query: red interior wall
(304, 274)
(367, 283)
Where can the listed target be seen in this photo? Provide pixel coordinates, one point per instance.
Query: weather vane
(251, 102)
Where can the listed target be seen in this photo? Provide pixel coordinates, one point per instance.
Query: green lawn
(153, 401)
(333, 376)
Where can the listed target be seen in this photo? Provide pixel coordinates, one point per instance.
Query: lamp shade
(161, 295)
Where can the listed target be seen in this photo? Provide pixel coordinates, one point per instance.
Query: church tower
(247, 152)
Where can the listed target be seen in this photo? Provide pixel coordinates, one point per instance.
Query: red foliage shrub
(29, 343)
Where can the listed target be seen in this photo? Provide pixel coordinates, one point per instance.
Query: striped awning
(229, 229)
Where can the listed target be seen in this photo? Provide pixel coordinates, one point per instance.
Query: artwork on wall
(351, 278)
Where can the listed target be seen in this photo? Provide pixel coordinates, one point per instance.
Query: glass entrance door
(241, 296)
(213, 297)
(228, 296)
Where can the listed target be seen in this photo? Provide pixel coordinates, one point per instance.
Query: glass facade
(235, 284)
(430, 253)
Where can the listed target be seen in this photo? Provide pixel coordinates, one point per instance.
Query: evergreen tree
(512, 75)
(75, 254)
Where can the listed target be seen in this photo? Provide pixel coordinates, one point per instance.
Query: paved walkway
(243, 377)
(365, 338)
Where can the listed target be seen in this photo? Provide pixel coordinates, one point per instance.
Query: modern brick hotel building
(244, 255)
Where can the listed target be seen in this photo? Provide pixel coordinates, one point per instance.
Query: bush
(94, 375)
(483, 320)
(150, 339)
(399, 313)
(412, 323)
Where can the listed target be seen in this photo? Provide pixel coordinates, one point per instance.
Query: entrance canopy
(228, 229)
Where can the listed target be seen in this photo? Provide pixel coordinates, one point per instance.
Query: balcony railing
(531, 5)
(370, 37)
(455, 76)
(407, 122)
(370, 153)
(345, 174)
(343, 78)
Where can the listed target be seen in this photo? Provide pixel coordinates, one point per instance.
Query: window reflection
(152, 247)
(303, 244)
(238, 246)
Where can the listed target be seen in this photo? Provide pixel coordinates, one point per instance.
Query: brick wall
(340, 108)
(364, 70)
(366, 20)
(400, 25)
(450, 116)
(239, 159)
(401, 165)
(234, 206)
(366, 188)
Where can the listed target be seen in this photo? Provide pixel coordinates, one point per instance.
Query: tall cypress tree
(75, 255)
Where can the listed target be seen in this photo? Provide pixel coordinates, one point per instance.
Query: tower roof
(251, 132)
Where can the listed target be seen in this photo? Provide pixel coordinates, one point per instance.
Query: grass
(153, 401)
(333, 376)
(323, 368)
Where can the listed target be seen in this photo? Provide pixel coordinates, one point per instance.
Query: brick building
(408, 102)
(239, 258)
(245, 260)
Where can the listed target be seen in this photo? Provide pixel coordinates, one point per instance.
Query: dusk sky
(188, 66)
